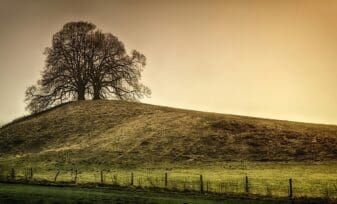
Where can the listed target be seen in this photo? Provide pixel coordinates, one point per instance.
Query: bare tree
(64, 77)
(113, 73)
(66, 64)
(83, 61)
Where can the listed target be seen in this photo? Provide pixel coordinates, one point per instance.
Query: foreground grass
(312, 180)
(36, 194)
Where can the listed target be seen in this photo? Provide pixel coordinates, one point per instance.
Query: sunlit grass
(267, 179)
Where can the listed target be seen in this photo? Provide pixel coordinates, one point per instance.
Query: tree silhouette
(83, 61)
(112, 72)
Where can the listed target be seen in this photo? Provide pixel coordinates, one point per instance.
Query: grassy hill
(125, 133)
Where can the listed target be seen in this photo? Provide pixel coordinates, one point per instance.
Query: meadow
(265, 179)
(18, 193)
(142, 146)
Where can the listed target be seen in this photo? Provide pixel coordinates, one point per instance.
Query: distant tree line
(85, 63)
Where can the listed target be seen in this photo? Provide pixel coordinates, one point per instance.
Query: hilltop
(124, 133)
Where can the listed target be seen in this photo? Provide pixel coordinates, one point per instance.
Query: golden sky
(273, 59)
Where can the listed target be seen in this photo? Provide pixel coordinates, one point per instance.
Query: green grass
(265, 179)
(38, 194)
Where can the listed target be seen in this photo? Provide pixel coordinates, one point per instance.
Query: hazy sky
(274, 59)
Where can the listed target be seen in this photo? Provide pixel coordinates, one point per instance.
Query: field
(264, 179)
(17, 193)
(129, 134)
(105, 142)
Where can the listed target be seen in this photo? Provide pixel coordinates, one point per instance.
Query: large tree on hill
(83, 61)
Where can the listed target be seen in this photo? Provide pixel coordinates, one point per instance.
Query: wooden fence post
(201, 184)
(31, 174)
(102, 180)
(75, 179)
(12, 174)
(247, 185)
(290, 188)
(115, 182)
(57, 174)
(131, 179)
(166, 179)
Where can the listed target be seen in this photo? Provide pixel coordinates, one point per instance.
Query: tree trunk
(97, 93)
(96, 96)
(81, 94)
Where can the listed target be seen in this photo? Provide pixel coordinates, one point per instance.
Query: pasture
(248, 179)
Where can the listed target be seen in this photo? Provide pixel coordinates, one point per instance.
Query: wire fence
(276, 187)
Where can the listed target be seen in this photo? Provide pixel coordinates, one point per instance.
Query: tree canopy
(83, 62)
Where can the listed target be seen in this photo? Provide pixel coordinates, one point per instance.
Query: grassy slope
(124, 133)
